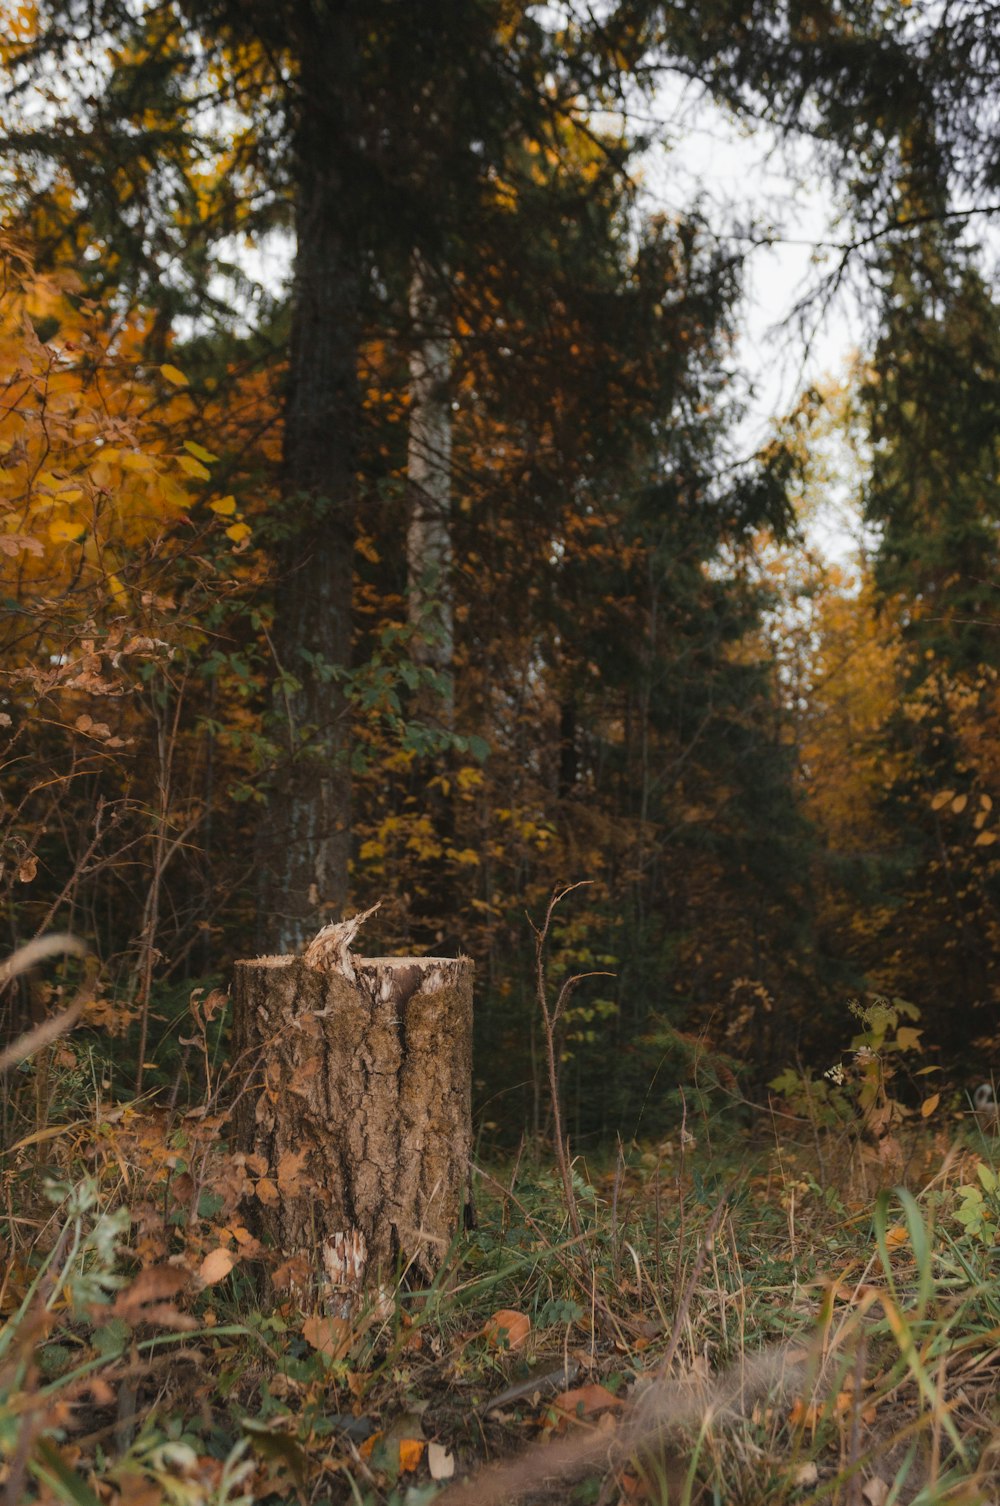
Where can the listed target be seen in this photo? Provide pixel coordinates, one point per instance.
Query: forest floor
(747, 1316)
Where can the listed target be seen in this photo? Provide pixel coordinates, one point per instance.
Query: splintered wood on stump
(355, 1110)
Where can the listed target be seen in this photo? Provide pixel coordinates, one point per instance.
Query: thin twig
(550, 1021)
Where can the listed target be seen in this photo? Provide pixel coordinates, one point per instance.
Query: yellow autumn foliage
(85, 477)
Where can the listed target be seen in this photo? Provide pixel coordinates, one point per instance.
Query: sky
(748, 181)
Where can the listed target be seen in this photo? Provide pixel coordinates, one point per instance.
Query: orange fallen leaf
(153, 1284)
(290, 1172)
(582, 1404)
(411, 1451)
(138, 1490)
(331, 1336)
(507, 1328)
(216, 1266)
(266, 1191)
(633, 1487)
(148, 1299)
(292, 1273)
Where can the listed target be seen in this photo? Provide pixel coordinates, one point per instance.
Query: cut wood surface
(356, 1105)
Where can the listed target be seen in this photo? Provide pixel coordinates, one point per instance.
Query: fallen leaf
(507, 1329)
(875, 1491)
(440, 1463)
(279, 1449)
(216, 1266)
(411, 1451)
(147, 1300)
(582, 1404)
(808, 1415)
(154, 1284)
(138, 1489)
(293, 1272)
(330, 1336)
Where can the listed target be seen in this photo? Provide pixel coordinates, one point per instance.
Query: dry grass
(740, 1326)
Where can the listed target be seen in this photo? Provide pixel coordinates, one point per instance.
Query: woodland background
(439, 577)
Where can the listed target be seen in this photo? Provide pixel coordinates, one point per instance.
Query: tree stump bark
(355, 1077)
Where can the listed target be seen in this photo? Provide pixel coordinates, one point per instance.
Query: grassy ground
(747, 1316)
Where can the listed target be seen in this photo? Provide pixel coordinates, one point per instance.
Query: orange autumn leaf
(582, 1404)
(266, 1191)
(411, 1451)
(216, 1266)
(507, 1329)
(289, 1174)
(149, 1299)
(329, 1335)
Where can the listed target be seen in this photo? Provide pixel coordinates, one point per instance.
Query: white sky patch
(749, 183)
(752, 190)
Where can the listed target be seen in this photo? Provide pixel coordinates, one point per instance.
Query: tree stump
(355, 1078)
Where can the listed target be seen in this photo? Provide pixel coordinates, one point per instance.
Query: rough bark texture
(358, 1099)
(304, 843)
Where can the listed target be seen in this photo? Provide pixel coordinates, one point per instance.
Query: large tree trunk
(355, 1106)
(304, 841)
(428, 540)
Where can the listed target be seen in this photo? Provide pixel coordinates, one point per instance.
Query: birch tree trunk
(355, 1109)
(428, 540)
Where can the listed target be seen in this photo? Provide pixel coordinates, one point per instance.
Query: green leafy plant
(979, 1207)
